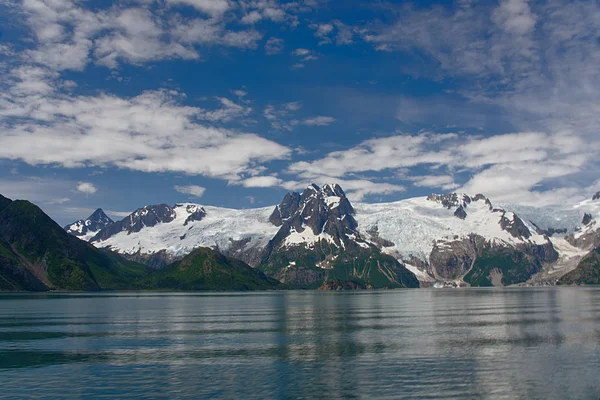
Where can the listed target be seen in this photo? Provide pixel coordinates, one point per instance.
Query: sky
(234, 103)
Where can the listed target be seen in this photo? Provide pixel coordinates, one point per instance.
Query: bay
(526, 343)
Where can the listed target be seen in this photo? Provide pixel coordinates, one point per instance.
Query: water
(455, 343)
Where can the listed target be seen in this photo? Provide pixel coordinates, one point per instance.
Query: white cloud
(318, 121)
(228, 111)
(261, 181)
(70, 36)
(150, 132)
(301, 52)
(193, 190)
(278, 116)
(211, 7)
(357, 189)
(274, 46)
(60, 200)
(514, 16)
(119, 214)
(509, 167)
(252, 17)
(86, 187)
(446, 182)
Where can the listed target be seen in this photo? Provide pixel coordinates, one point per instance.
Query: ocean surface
(527, 343)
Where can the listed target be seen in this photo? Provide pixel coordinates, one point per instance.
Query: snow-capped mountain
(440, 237)
(86, 229)
(318, 241)
(176, 231)
(587, 234)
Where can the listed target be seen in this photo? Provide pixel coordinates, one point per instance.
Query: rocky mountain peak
(459, 202)
(317, 211)
(596, 196)
(514, 225)
(91, 225)
(195, 212)
(100, 217)
(142, 217)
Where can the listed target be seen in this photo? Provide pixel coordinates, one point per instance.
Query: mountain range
(319, 235)
(36, 254)
(314, 239)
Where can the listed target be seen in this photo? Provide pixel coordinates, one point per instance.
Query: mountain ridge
(437, 237)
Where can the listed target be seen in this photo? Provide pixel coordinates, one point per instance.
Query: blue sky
(235, 102)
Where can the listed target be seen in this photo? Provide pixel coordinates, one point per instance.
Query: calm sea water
(451, 343)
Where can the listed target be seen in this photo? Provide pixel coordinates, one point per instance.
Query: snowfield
(218, 228)
(414, 225)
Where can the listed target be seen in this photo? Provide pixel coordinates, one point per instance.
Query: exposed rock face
(460, 212)
(450, 200)
(587, 271)
(288, 207)
(587, 218)
(378, 240)
(318, 240)
(143, 217)
(459, 202)
(474, 258)
(324, 210)
(158, 260)
(242, 250)
(197, 213)
(452, 260)
(596, 196)
(553, 231)
(92, 224)
(515, 226)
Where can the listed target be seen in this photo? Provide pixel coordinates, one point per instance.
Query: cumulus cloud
(357, 189)
(150, 132)
(69, 36)
(261, 181)
(508, 167)
(86, 187)
(192, 190)
(211, 7)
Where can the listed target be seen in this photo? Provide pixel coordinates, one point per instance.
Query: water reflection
(511, 343)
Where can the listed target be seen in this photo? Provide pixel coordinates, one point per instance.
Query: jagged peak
(450, 200)
(100, 216)
(596, 196)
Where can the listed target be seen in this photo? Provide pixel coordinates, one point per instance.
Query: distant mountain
(86, 229)
(173, 232)
(456, 237)
(587, 271)
(318, 241)
(318, 235)
(37, 254)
